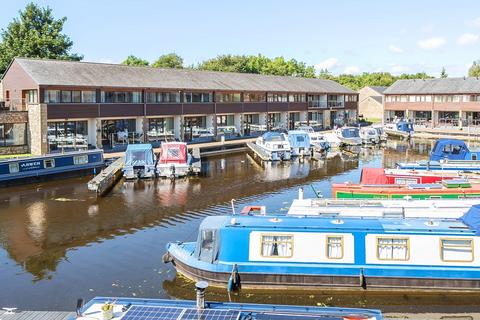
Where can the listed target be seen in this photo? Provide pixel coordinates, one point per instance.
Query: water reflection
(60, 242)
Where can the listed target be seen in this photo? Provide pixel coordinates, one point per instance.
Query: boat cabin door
(208, 245)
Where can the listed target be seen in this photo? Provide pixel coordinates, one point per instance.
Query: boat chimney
(200, 287)
(300, 194)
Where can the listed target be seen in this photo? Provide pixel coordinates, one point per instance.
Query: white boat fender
(167, 258)
(234, 283)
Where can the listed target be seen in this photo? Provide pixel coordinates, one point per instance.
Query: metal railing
(335, 104)
(447, 122)
(317, 104)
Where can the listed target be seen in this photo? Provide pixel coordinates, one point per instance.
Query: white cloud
(467, 38)
(395, 49)
(327, 64)
(474, 22)
(432, 43)
(351, 70)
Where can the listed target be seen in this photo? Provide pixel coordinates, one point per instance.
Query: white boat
(139, 161)
(369, 135)
(316, 138)
(349, 136)
(299, 143)
(381, 132)
(332, 139)
(275, 144)
(175, 161)
(399, 128)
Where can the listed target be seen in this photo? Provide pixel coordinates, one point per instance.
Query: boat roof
(161, 309)
(52, 155)
(299, 223)
(139, 146)
(271, 134)
(297, 132)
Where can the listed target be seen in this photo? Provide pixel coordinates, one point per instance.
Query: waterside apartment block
(434, 102)
(81, 104)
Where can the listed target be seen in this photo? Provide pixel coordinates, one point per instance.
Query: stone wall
(37, 128)
(18, 119)
(13, 150)
(13, 117)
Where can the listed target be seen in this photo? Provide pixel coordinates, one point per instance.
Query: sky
(342, 36)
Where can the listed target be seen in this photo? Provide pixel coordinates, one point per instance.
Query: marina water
(58, 242)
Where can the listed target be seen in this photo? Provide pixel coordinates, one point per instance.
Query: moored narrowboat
(305, 252)
(448, 189)
(448, 154)
(102, 308)
(27, 169)
(404, 176)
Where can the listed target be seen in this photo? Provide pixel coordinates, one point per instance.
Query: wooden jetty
(37, 315)
(258, 152)
(107, 178)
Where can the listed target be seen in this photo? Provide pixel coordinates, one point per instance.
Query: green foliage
(258, 64)
(356, 82)
(171, 60)
(474, 70)
(134, 61)
(35, 34)
(443, 74)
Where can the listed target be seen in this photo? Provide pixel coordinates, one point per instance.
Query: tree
(258, 64)
(134, 61)
(443, 74)
(474, 70)
(35, 34)
(171, 60)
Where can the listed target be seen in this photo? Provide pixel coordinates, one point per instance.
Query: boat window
(49, 163)
(474, 156)
(406, 181)
(456, 149)
(300, 139)
(334, 247)
(350, 133)
(280, 246)
(83, 159)
(393, 249)
(208, 246)
(456, 250)
(13, 167)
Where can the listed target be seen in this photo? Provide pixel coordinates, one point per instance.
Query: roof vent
(275, 220)
(431, 223)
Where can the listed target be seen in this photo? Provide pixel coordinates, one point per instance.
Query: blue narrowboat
(21, 170)
(341, 252)
(448, 154)
(101, 308)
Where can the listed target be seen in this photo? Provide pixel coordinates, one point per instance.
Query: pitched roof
(435, 86)
(379, 99)
(379, 89)
(71, 73)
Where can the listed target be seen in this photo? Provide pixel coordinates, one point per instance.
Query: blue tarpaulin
(472, 218)
(298, 139)
(139, 155)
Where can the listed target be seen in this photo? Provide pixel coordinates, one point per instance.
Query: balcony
(335, 104)
(317, 104)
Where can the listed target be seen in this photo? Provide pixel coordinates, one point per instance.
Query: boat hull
(311, 281)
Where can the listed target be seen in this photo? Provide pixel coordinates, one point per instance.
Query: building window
(67, 134)
(351, 98)
(254, 97)
(393, 249)
(474, 98)
(163, 97)
(199, 97)
(228, 97)
(456, 250)
(334, 247)
(32, 96)
(277, 97)
(83, 159)
(13, 134)
(66, 96)
(121, 97)
(277, 246)
(297, 97)
(52, 96)
(89, 97)
(160, 128)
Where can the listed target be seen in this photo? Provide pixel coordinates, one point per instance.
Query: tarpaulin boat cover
(373, 176)
(173, 152)
(139, 155)
(299, 139)
(472, 218)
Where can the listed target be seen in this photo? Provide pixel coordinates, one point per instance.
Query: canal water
(58, 242)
